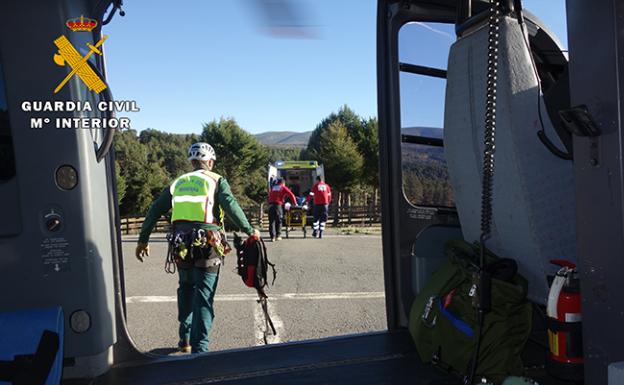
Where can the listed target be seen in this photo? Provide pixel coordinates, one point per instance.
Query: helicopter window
(7, 157)
(423, 55)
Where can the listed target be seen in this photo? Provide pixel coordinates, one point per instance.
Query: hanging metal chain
(490, 122)
(481, 280)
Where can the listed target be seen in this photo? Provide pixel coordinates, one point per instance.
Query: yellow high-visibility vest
(193, 197)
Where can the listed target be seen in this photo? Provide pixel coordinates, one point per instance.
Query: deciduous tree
(241, 159)
(144, 179)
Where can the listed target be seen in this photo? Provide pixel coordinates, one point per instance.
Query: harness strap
(174, 239)
(274, 272)
(268, 322)
(266, 258)
(170, 267)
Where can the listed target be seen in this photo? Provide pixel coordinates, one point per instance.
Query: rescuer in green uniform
(197, 200)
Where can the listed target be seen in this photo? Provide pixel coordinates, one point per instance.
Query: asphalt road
(327, 287)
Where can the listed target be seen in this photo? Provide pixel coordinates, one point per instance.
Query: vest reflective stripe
(187, 198)
(193, 197)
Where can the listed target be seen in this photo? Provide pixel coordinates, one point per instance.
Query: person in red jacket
(278, 193)
(321, 196)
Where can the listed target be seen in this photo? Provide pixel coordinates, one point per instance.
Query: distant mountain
(429, 132)
(284, 138)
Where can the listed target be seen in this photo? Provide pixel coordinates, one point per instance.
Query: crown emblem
(81, 24)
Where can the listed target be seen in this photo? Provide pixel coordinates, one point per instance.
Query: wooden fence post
(349, 210)
(342, 215)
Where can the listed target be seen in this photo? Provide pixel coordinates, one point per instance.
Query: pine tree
(346, 117)
(340, 156)
(369, 148)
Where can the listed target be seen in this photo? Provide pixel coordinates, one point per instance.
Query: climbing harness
(184, 245)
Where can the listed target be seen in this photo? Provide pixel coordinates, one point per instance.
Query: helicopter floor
(377, 358)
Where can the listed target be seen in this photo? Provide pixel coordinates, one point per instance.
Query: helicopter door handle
(109, 134)
(106, 145)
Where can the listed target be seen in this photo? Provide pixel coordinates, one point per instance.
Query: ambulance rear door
(271, 175)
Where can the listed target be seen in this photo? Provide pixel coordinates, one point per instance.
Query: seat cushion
(533, 196)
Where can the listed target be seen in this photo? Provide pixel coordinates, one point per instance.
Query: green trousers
(203, 310)
(186, 286)
(196, 293)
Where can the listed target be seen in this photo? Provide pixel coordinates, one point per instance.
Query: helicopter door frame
(401, 221)
(597, 81)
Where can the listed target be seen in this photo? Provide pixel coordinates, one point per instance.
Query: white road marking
(346, 295)
(299, 236)
(254, 297)
(260, 325)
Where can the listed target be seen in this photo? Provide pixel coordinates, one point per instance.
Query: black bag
(253, 263)
(253, 267)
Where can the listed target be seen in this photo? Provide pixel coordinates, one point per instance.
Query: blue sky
(427, 44)
(194, 61)
(212, 60)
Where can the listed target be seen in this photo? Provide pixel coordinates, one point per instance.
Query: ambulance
(298, 175)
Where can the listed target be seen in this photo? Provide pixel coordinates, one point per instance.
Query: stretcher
(296, 217)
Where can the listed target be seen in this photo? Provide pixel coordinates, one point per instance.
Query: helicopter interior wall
(12, 222)
(428, 253)
(69, 265)
(533, 195)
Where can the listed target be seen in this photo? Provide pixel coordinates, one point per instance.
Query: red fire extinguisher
(563, 310)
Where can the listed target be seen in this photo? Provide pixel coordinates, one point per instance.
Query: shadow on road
(164, 351)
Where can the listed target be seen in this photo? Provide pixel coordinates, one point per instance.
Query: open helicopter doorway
(324, 287)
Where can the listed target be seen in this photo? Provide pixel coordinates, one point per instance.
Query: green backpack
(443, 320)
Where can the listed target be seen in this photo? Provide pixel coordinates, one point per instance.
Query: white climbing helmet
(201, 151)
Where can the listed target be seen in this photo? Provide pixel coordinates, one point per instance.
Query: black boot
(320, 234)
